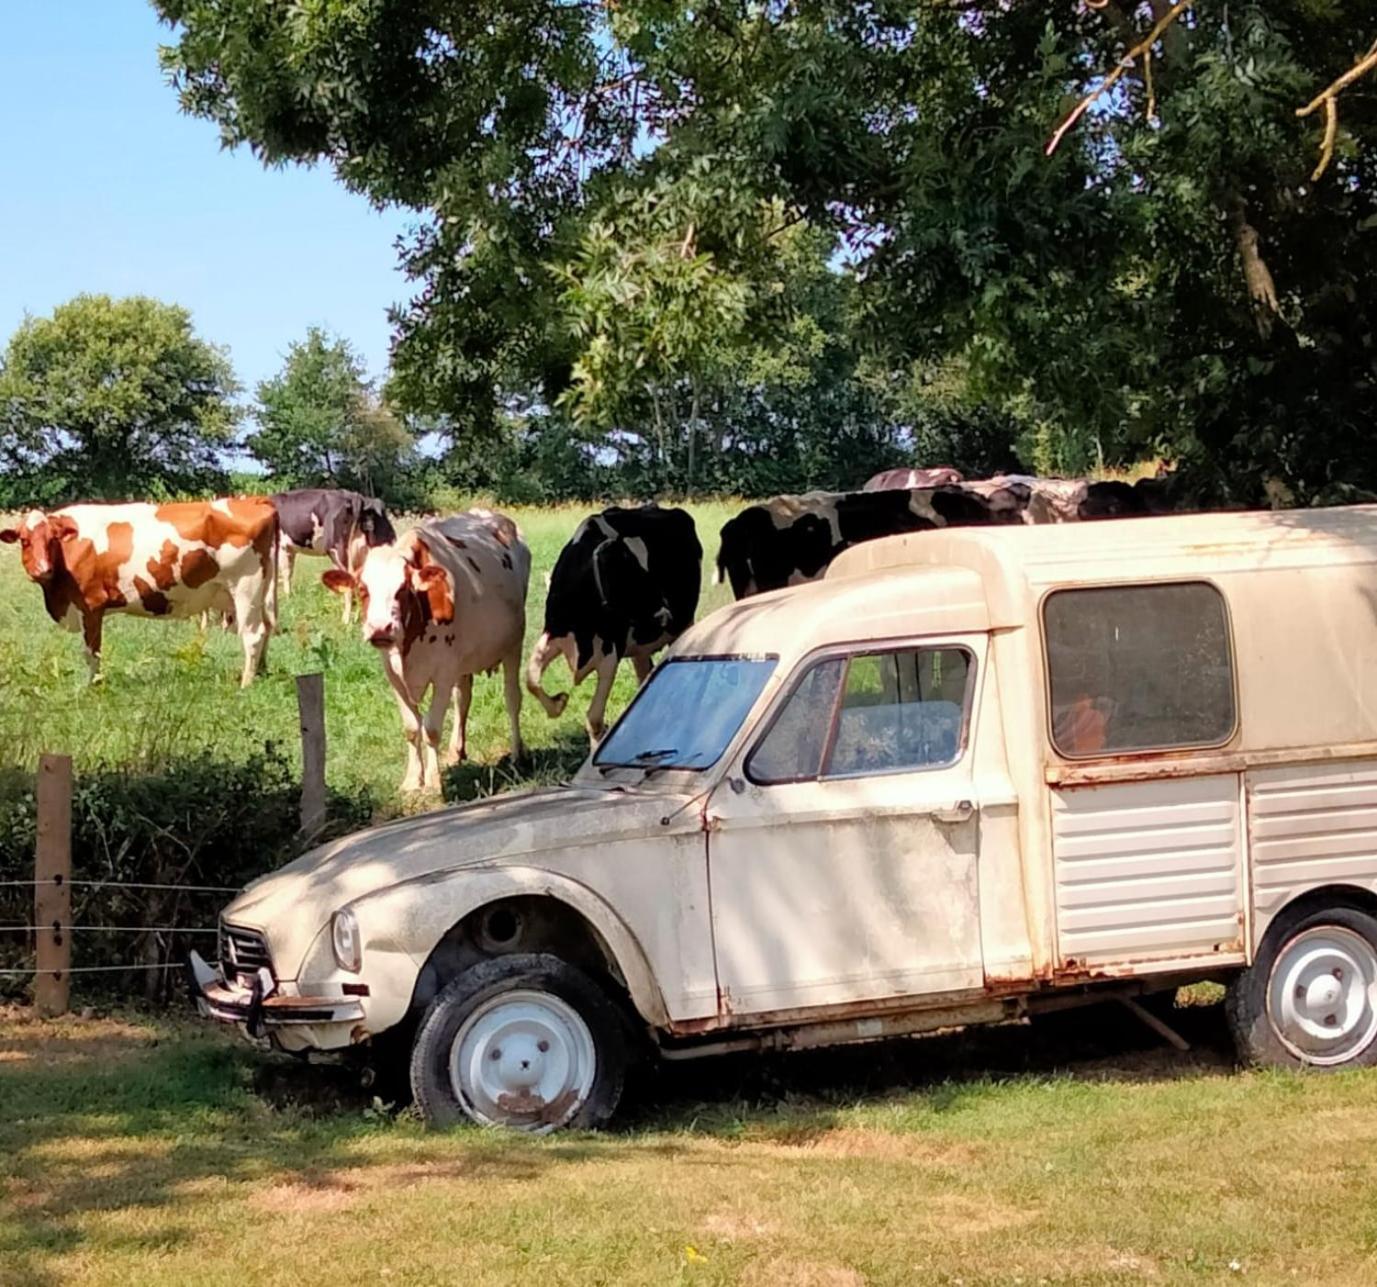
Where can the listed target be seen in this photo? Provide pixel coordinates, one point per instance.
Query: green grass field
(140, 1151)
(171, 691)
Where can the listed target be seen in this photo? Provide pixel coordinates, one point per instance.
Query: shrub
(199, 821)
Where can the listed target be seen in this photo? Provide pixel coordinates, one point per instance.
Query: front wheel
(1308, 999)
(524, 1041)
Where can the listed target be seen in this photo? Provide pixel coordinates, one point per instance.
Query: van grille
(242, 953)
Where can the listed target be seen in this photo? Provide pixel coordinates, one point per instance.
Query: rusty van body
(969, 775)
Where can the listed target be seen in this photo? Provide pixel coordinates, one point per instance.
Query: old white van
(970, 775)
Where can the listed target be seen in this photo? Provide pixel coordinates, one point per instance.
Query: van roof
(888, 604)
(1014, 560)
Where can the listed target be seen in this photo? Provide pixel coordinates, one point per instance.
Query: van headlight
(344, 935)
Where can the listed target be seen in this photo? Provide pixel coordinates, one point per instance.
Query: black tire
(1256, 1038)
(440, 1101)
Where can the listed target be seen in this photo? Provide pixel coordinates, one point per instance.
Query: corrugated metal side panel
(1311, 824)
(1148, 869)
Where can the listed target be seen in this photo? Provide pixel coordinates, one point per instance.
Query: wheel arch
(1314, 899)
(443, 930)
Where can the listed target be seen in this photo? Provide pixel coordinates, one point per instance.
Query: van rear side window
(1139, 668)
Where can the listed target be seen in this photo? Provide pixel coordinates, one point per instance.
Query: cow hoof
(454, 757)
(557, 703)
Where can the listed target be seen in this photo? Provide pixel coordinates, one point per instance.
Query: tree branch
(1262, 290)
(1330, 99)
(1143, 47)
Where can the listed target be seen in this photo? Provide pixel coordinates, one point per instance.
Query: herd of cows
(446, 599)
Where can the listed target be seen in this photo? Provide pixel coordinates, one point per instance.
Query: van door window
(1138, 668)
(883, 712)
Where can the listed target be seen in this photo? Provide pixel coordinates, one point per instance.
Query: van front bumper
(262, 1007)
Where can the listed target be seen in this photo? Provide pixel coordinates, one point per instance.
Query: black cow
(625, 585)
(341, 526)
(792, 539)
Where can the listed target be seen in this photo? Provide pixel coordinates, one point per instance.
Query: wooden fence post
(52, 898)
(310, 703)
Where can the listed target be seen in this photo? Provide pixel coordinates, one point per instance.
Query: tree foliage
(320, 423)
(112, 399)
(1169, 280)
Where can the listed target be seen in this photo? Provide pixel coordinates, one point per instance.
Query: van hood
(291, 905)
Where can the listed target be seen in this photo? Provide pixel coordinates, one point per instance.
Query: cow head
(401, 588)
(40, 539)
(374, 524)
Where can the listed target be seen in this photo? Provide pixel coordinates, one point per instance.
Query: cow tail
(719, 574)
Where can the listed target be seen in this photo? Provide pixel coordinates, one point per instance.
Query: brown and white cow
(146, 560)
(442, 603)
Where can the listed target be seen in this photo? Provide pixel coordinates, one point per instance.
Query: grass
(170, 691)
(150, 1151)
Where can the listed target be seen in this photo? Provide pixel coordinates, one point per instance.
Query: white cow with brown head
(442, 603)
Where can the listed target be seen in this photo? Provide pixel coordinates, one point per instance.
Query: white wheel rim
(523, 1059)
(1320, 998)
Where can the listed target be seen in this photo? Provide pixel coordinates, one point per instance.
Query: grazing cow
(792, 539)
(337, 524)
(147, 560)
(626, 585)
(441, 603)
(906, 479)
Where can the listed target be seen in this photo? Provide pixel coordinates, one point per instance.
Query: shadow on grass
(145, 1121)
(541, 766)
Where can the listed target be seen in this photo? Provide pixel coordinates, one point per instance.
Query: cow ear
(60, 527)
(337, 579)
(9, 535)
(433, 581)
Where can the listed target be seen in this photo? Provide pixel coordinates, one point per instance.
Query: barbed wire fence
(165, 916)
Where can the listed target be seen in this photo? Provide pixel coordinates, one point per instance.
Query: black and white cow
(792, 539)
(339, 525)
(625, 585)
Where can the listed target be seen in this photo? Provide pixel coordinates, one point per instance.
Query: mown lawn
(135, 1150)
(170, 691)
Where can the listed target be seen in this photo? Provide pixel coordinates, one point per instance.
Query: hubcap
(523, 1059)
(1320, 998)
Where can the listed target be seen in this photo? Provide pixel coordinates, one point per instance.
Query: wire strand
(109, 929)
(121, 884)
(94, 969)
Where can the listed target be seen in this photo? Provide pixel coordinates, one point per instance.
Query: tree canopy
(320, 423)
(113, 399)
(1171, 279)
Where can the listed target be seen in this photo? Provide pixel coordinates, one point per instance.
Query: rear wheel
(1308, 999)
(524, 1041)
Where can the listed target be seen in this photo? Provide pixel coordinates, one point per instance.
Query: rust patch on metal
(531, 1106)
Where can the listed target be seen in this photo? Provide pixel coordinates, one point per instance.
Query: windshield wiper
(647, 760)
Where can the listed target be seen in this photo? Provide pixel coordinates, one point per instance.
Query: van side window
(1138, 668)
(872, 713)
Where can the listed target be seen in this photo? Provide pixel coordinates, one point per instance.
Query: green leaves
(320, 423)
(113, 399)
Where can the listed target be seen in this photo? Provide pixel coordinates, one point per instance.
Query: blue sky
(105, 186)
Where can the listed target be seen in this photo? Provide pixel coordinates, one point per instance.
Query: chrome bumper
(261, 1007)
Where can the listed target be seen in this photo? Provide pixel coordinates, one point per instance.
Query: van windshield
(687, 713)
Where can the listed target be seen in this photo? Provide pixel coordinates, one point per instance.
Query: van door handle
(961, 811)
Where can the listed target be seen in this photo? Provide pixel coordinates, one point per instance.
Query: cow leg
(545, 651)
(252, 623)
(459, 736)
(607, 672)
(642, 666)
(286, 562)
(91, 623)
(431, 729)
(414, 776)
(511, 685)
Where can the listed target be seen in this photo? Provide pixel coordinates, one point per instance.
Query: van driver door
(842, 846)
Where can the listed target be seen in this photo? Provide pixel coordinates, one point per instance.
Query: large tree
(112, 399)
(320, 423)
(1171, 278)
